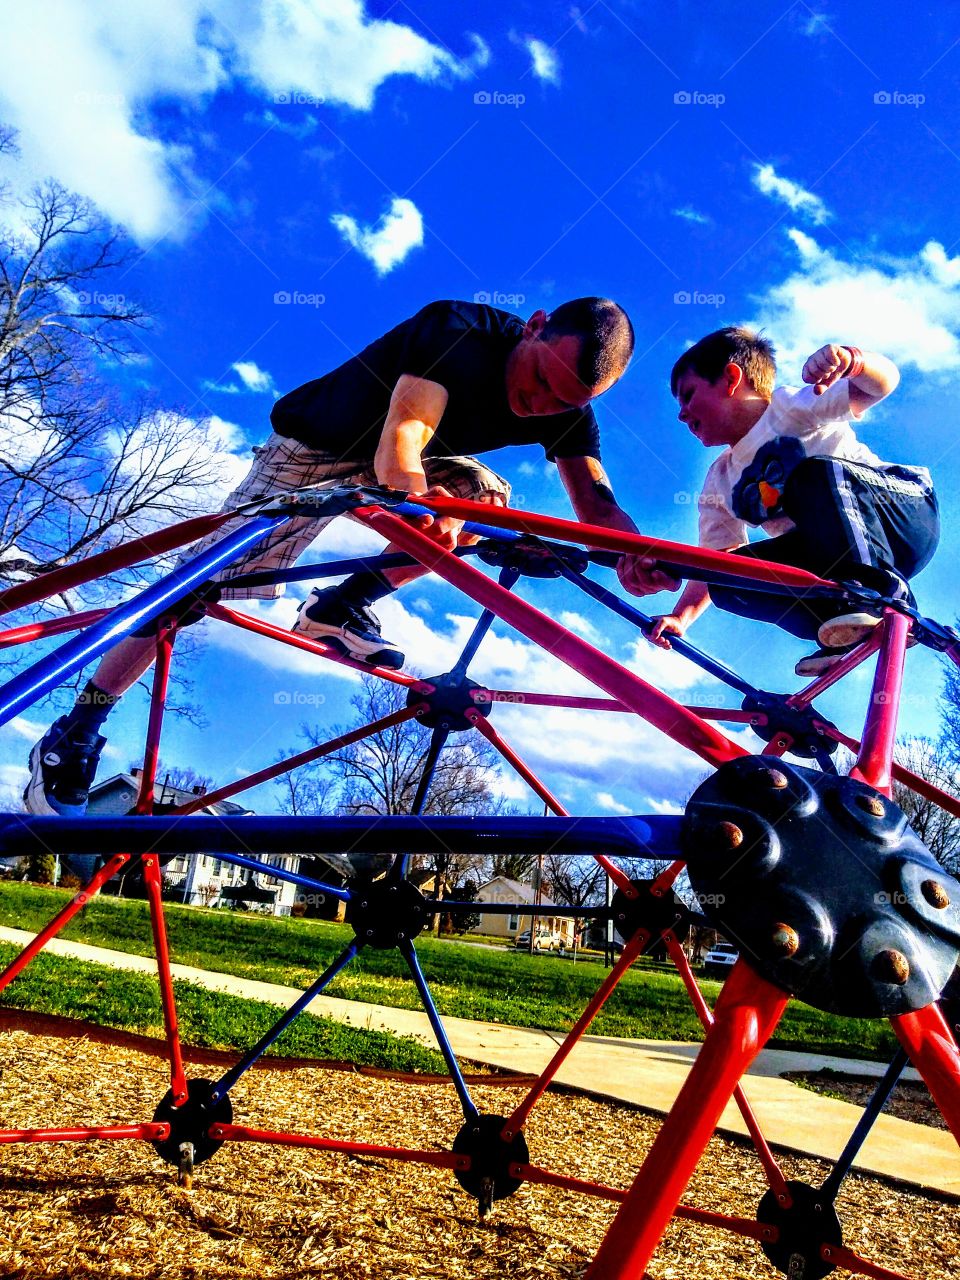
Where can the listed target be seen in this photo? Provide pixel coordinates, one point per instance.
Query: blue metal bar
(656, 837)
(866, 1122)
(333, 568)
(469, 526)
(30, 685)
(645, 622)
(508, 579)
(523, 908)
(230, 1078)
(438, 740)
(409, 953)
(281, 873)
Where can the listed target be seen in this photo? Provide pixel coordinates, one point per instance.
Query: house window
(513, 923)
(217, 866)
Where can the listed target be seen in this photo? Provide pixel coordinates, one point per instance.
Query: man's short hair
(605, 333)
(750, 351)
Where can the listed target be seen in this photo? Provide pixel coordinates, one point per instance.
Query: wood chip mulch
(113, 1209)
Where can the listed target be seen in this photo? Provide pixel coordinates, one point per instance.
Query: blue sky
(302, 175)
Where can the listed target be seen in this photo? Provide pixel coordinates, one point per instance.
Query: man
(407, 412)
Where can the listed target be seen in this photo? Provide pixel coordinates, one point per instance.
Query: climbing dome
(817, 877)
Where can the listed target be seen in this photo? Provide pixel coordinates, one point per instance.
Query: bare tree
(938, 829)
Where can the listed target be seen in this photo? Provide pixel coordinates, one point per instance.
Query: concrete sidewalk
(645, 1073)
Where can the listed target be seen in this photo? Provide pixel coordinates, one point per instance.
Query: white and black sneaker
(63, 765)
(847, 630)
(351, 629)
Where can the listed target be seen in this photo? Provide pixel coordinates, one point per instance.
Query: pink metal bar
(240, 1133)
(880, 731)
(775, 1178)
(257, 625)
(517, 698)
(630, 952)
(927, 1039)
(746, 1016)
(304, 757)
(909, 779)
(656, 707)
(843, 667)
(613, 540)
(842, 1257)
(619, 878)
(151, 1132)
(53, 627)
(104, 562)
(63, 918)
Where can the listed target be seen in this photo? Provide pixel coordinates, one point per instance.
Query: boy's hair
(605, 333)
(750, 351)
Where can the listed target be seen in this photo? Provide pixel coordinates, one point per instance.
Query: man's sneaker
(846, 630)
(351, 630)
(63, 765)
(815, 664)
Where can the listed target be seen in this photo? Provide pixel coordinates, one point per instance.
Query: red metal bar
(630, 952)
(656, 707)
(261, 628)
(518, 698)
(304, 757)
(619, 878)
(900, 774)
(842, 668)
(665, 879)
(53, 627)
(746, 1016)
(842, 1257)
(62, 918)
(741, 1226)
(775, 1179)
(927, 1039)
(151, 864)
(104, 562)
(240, 1133)
(613, 540)
(150, 1131)
(880, 731)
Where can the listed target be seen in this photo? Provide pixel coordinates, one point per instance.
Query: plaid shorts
(283, 464)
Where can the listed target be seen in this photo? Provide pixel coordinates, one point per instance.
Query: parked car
(544, 941)
(720, 959)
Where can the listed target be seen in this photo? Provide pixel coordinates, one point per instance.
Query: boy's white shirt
(819, 423)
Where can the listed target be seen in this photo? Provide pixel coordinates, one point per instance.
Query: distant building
(506, 924)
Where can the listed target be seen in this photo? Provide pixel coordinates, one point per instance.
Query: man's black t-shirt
(463, 346)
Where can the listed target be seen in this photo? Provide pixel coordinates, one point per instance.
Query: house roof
(168, 795)
(522, 892)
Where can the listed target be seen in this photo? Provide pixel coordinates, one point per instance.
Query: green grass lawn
(466, 981)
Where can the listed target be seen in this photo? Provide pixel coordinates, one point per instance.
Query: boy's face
(707, 408)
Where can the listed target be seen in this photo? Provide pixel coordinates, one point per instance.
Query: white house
(508, 924)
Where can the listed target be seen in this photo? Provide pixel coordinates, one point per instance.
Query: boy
(793, 467)
(455, 379)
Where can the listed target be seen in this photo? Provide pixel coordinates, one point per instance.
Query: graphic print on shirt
(758, 494)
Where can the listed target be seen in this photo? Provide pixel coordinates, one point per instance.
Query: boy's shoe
(63, 765)
(847, 630)
(352, 630)
(815, 664)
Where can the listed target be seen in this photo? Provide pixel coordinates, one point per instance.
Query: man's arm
(872, 376)
(416, 407)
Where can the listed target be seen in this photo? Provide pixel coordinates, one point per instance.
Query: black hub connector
(825, 887)
(383, 915)
(190, 1123)
(451, 699)
(805, 729)
(533, 557)
(810, 1223)
(654, 912)
(489, 1177)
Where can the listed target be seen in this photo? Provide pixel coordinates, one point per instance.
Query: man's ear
(732, 379)
(534, 326)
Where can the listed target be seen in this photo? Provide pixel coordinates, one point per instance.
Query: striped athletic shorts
(281, 465)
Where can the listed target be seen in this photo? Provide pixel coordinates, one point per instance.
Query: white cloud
(907, 307)
(581, 625)
(386, 245)
(13, 779)
(252, 377)
(606, 801)
(80, 81)
(544, 60)
(29, 729)
(767, 180)
(689, 214)
(669, 807)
